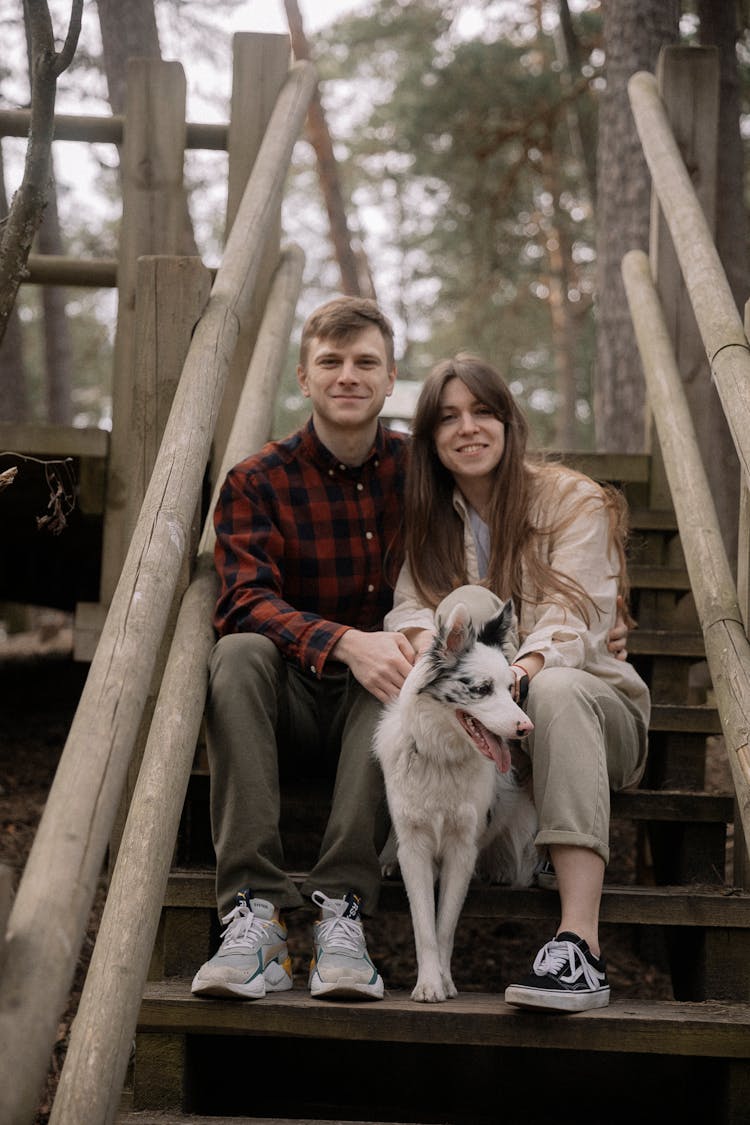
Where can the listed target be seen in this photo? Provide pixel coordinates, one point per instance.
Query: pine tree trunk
(14, 404)
(634, 31)
(58, 349)
(330, 184)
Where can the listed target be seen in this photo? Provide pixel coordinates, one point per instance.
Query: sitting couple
(312, 531)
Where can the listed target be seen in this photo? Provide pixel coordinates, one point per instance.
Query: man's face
(347, 383)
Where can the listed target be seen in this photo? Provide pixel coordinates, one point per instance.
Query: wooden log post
(152, 214)
(107, 1015)
(72, 837)
(689, 85)
(260, 64)
(171, 294)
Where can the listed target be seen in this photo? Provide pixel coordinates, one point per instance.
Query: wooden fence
(49, 916)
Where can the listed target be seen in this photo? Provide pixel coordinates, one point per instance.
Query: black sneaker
(566, 977)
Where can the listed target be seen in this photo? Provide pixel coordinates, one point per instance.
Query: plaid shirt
(302, 542)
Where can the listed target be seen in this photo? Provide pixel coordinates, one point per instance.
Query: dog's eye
(479, 691)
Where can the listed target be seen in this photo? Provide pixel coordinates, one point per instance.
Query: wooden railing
(722, 610)
(48, 919)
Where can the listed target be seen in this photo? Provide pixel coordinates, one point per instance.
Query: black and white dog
(458, 793)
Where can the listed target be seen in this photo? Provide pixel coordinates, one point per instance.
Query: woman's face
(469, 438)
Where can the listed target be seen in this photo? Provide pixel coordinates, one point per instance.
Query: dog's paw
(428, 992)
(449, 987)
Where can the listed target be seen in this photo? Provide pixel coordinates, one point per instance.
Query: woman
(478, 511)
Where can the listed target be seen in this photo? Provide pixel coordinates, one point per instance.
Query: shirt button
(368, 535)
(343, 468)
(330, 472)
(360, 486)
(313, 669)
(370, 588)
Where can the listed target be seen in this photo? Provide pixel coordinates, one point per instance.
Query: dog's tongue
(486, 742)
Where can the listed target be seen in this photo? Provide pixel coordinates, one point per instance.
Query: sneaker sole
(347, 991)
(227, 990)
(545, 999)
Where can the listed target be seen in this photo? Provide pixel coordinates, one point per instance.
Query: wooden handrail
(719, 322)
(97, 1056)
(107, 130)
(49, 916)
(727, 647)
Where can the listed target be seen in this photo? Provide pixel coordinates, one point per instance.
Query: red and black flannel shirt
(302, 540)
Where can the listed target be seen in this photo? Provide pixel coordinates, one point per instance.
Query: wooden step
(666, 642)
(146, 1117)
(644, 577)
(694, 905)
(662, 1027)
(653, 519)
(673, 805)
(673, 717)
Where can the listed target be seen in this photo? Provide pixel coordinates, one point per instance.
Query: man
(305, 529)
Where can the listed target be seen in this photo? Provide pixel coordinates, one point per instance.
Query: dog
(458, 793)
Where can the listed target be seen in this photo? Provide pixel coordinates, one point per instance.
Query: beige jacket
(582, 551)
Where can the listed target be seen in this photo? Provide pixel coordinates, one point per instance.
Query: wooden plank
(657, 804)
(701, 720)
(631, 468)
(665, 1027)
(664, 642)
(152, 223)
(671, 906)
(653, 519)
(658, 578)
(40, 440)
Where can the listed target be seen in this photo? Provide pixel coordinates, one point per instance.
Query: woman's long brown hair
(435, 531)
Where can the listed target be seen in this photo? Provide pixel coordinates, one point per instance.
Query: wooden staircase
(684, 1055)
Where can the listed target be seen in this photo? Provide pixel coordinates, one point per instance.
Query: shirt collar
(322, 456)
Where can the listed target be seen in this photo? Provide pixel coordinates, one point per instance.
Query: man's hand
(617, 638)
(379, 661)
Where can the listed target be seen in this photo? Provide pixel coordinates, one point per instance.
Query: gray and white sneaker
(252, 959)
(566, 977)
(341, 966)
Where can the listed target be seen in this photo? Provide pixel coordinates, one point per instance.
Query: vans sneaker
(566, 977)
(340, 966)
(253, 957)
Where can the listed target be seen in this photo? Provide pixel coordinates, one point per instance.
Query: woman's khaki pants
(588, 739)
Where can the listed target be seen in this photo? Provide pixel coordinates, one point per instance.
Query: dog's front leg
(415, 861)
(455, 876)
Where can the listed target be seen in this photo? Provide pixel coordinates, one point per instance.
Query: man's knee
(238, 656)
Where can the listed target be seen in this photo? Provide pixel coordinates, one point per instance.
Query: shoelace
(341, 934)
(244, 928)
(553, 957)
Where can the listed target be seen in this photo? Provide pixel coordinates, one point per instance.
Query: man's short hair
(343, 318)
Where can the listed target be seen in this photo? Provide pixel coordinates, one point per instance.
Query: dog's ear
(501, 631)
(456, 635)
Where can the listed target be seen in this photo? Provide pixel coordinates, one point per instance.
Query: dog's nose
(524, 727)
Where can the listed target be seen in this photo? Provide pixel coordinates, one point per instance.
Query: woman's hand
(617, 638)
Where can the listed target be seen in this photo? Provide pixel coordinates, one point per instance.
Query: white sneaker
(253, 957)
(341, 966)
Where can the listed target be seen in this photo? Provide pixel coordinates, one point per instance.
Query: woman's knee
(555, 688)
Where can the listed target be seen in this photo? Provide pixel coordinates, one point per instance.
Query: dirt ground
(40, 689)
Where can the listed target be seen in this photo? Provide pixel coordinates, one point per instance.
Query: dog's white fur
(451, 803)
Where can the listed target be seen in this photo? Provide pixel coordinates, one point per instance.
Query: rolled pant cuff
(574, 840)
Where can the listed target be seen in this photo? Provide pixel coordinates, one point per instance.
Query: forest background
(490, 170)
